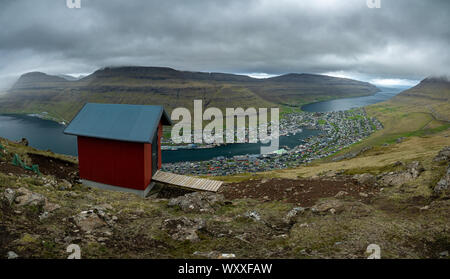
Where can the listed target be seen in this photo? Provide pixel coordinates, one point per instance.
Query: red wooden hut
(119, 146)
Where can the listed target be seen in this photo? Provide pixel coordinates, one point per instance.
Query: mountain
(62, 98)
(37, 80)
(297, 89)
(431, 94)
(162, 73)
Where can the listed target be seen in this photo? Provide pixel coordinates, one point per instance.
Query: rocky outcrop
(26, 197)
(12, 255)
(10, 195)
(365, 178)
(89, 221)
(254, 215)
(328, 206)
(94, 219)
(198, 202)
(444, 155)
(443, 184)
(214, 255)
(183, 228)
(291, 216)
(23, 142)
(351, 155)
(413, 171)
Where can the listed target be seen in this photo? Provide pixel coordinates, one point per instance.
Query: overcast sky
(404, 39)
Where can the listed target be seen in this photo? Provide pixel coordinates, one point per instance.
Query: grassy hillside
(37, 92)
(317, 211)
(421, 111)
(384, 196)
(432, 95)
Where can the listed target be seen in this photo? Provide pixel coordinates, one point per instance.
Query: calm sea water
(350, 103)
(48, 135)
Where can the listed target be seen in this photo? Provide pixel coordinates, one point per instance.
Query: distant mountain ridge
(38, 92)
(36, 79)
(164, 73)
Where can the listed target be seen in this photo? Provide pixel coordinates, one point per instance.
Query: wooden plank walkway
(192, 183)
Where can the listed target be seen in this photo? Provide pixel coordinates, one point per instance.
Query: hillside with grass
(388, 196)
(431, 95)
(62, 98)
(392, 190)
(421, 111)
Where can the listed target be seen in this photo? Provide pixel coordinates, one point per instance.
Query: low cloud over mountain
(404, 39)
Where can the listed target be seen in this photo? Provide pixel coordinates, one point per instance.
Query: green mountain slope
(421, 111)
(430, 95)
(61, 98)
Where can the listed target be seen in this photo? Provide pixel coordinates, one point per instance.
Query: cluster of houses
(338, 130)
(119, 146)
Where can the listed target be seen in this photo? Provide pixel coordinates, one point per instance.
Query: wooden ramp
(188, 182)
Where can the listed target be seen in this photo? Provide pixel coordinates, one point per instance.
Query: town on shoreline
(338, 130)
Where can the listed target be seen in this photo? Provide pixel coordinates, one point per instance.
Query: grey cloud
(404, 39)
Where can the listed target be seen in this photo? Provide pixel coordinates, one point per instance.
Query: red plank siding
(160, 130)
(147, 163)
(115, 163)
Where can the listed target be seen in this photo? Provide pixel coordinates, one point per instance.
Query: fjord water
(350, 103)
(40, 133)
(230, 150)
(48, 135)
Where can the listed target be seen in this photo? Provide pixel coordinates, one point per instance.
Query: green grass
(63, 100)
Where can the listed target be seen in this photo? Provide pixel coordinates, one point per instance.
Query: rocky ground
(404, 208)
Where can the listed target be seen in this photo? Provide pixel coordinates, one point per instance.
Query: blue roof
(133, 123)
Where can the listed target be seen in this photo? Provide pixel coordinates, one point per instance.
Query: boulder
(395, 179)
(198, 202)
(357, 209)
(365, 178)
(26, 197)
(415, 169)
(341, 194)
(50, 207)
(443, 155)
(11, 255)
(89, 221)
(214, 255)
(183, 228)
(328, 205)
(10, 195)
(24, 142)
(444, 183)
(209, 255)
(291, 216)
(253, 215)
(226, 256)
